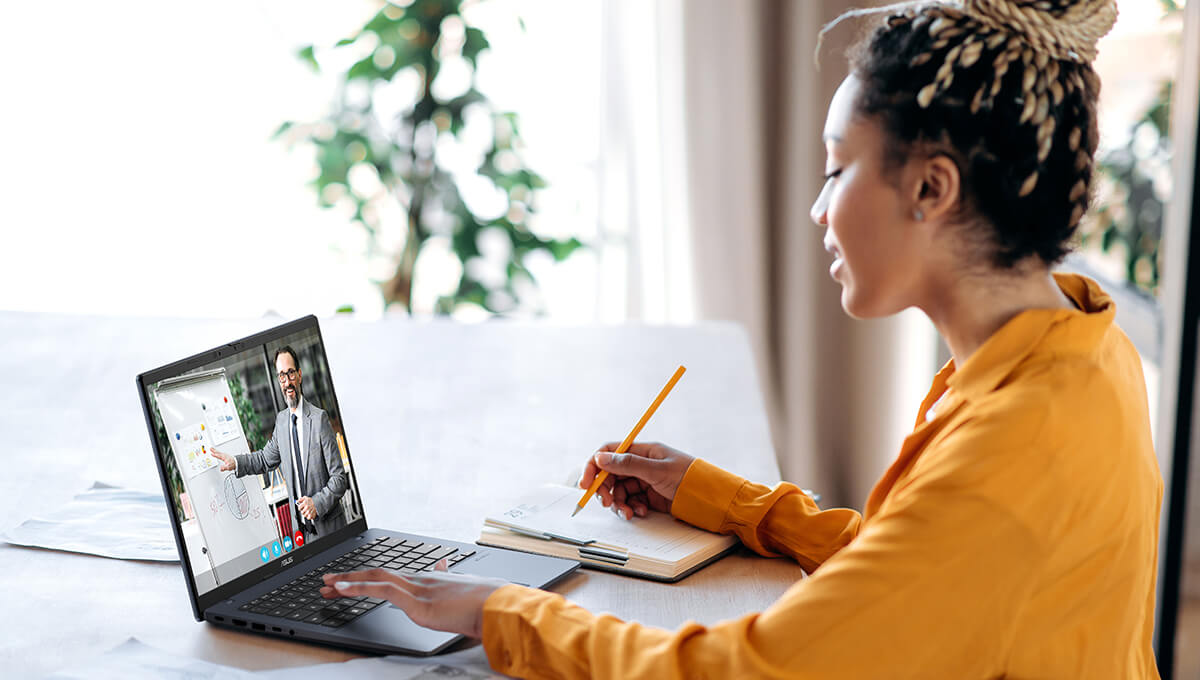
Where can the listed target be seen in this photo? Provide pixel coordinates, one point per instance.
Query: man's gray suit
(324, 475)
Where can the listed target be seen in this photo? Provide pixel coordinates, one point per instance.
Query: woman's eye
(831, 175)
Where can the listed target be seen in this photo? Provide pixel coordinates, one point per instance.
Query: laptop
(254, 539)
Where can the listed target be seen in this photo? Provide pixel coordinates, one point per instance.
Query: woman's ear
(937, 187)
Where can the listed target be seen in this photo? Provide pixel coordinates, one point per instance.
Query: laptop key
(316, 618)
(440, 553)
(297, 615)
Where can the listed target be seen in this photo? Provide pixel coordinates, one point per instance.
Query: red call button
(298, 539)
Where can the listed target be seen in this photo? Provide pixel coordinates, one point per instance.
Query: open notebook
(657, 547)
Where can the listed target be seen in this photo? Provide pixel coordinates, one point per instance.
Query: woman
(1016, 533)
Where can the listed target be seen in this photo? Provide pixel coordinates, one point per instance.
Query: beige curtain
(841, 393)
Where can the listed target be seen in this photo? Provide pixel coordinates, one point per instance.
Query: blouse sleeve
(779, 520)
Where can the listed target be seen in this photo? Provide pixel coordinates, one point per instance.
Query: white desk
(445, 423)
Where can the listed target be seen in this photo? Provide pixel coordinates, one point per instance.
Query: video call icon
(287, 543)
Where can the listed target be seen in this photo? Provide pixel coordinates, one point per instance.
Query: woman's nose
(820, 207)
(818, 210)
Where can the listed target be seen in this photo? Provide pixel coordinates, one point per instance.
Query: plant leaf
(306, 55)
(474, 43)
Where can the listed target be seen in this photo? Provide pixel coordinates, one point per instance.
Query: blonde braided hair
(971, 76)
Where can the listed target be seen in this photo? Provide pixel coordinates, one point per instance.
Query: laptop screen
(252, 453)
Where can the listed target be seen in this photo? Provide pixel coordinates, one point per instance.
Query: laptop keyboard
(301, 599)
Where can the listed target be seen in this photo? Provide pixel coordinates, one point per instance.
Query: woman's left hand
(438, 599)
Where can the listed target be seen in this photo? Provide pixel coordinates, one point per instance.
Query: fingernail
(342, 585)
(603, 458)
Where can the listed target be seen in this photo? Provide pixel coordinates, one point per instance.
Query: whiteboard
(198, 413)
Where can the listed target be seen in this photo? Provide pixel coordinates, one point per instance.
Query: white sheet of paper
(134, 660)
(549, 507)
(105, 520)
(468, 664)
(221, 424)
(193, 444)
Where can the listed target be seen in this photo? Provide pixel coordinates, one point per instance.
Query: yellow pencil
(629, 440)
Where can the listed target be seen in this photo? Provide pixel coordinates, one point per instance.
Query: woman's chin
(857, 307)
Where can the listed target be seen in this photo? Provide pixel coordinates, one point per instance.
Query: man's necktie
(309, 527)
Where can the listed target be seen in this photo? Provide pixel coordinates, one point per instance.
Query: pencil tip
(576, 510)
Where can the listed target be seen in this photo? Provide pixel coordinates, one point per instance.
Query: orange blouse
(1015, 535)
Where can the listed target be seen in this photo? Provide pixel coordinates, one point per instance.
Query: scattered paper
(468, 664)
(133, 659)
(105, 520)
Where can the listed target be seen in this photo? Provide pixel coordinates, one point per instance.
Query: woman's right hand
(646, 478)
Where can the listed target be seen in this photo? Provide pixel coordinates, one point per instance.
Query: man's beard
(292, 400)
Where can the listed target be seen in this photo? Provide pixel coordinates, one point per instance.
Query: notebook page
(658, 536)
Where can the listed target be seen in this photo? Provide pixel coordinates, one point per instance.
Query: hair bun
(1063, 29)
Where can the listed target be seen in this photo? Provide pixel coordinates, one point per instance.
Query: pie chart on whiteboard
(236, 498)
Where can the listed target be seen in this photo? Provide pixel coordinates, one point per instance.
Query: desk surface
(435, 413)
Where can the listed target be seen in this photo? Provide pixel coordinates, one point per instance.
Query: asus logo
(287, 561)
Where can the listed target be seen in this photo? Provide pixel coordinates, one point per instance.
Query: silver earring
(918, 215)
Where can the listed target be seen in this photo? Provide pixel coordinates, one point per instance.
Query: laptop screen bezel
(145, 381)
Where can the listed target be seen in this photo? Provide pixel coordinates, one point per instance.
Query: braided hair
(1005, 88)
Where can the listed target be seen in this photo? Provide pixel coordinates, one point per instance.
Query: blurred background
(573, 162)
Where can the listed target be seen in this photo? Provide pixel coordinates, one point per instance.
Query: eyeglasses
(289, 374)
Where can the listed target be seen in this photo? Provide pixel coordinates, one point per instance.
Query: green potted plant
(404, 155)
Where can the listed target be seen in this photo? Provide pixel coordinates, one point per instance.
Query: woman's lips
(837, 258)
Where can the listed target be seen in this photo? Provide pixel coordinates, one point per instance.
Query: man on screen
(305, 447)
